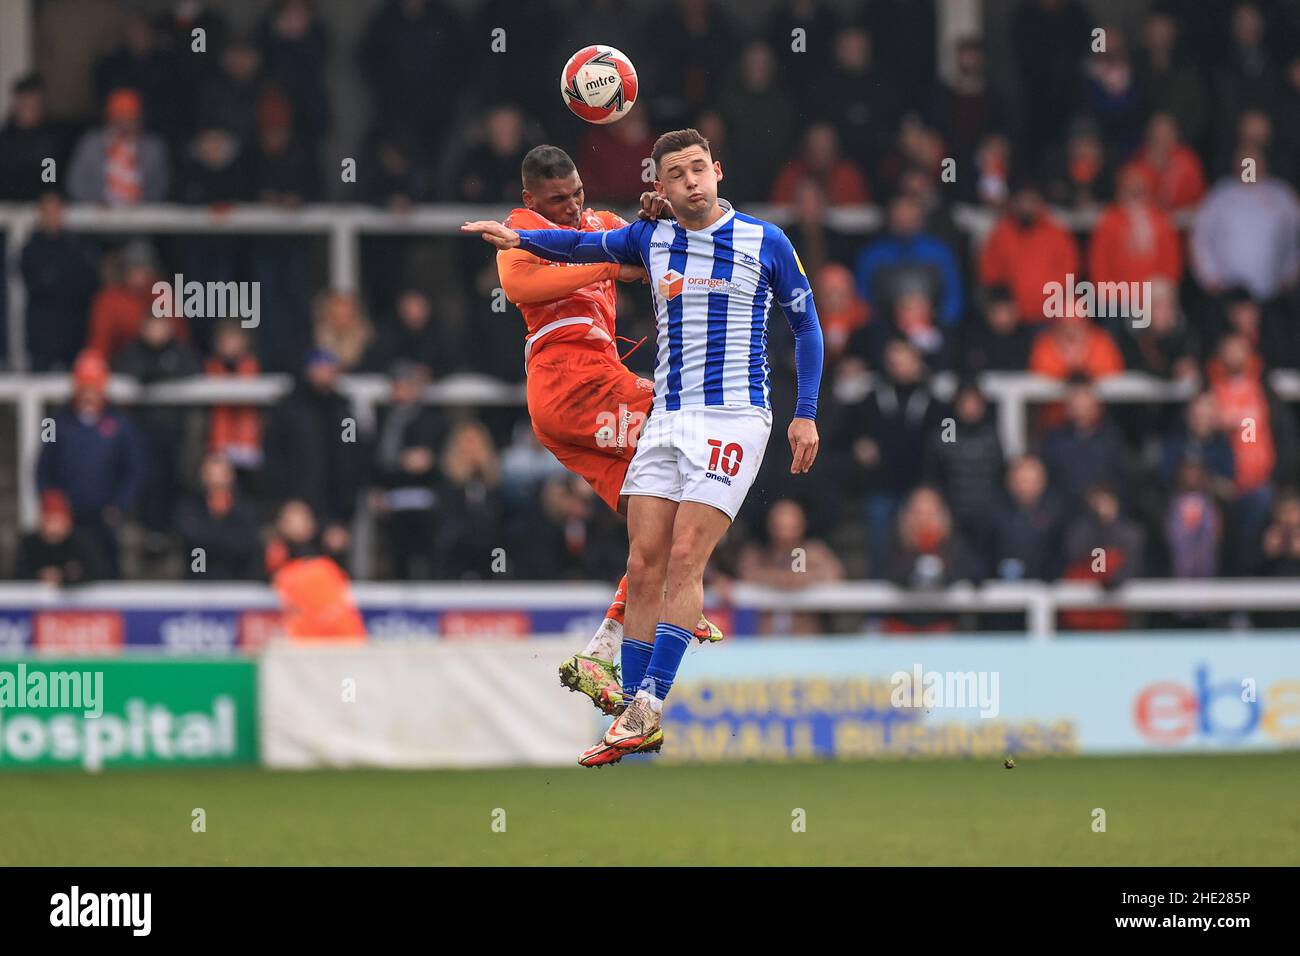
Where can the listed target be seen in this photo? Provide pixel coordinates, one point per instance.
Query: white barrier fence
(1038, 601)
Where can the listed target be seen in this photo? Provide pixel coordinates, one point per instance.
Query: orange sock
(619, 604)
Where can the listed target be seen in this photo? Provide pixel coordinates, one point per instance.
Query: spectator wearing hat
(56, 552)
(119, 163)
(95, 458)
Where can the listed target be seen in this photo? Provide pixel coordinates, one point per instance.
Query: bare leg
(650, 534)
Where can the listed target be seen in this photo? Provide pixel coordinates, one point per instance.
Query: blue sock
(671, 642)
(635, 659)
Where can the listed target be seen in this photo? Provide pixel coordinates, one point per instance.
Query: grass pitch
(1194, 810)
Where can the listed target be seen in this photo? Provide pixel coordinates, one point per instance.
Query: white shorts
(707, 454)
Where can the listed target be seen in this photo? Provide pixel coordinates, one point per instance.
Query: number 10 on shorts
(728, 458)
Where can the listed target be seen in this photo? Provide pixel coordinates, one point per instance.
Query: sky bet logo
(1227, 712)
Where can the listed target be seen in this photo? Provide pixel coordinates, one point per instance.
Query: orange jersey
(542, 289)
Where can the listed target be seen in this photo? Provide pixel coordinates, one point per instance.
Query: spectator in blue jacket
(94, 456)
(908, 257)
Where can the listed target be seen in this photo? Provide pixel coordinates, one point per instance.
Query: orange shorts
(587, 409)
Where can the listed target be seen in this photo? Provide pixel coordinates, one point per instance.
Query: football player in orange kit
(586, 406)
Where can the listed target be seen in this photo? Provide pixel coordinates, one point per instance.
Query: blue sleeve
(568, 245)
(794, 295)
(951, 306)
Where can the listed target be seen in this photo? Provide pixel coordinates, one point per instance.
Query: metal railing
(1038, 601)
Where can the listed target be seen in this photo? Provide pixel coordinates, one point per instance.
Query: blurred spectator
(177, 28)
(234, 431)
(572, 534)
(341, 328)
(887, 431)
(398, 181)
(409, 48)
(1170, 82)
(818, 242)
(1281, 547)
(1248, 233)
(1193, 525)
(1001, 343)
(911, 318)
(470, 519)
(789, 561)
(907, 258)
(95, 458)
(857, 98)
(1026, 250)
(1112, 95)
(294, 44)
(56, 553)
(611, 162)
(312, 450)
(120, 306)
(412, 334)
(991, 184)
(143, 64)
(59, 274)
(1049, 39)
(1079, 173)
(695, 40)
(155, 356)
(489, 171)
(1166, 347)
(1101, 545)
(759, 112)
(314, 590)
(965, 109)
(1200, 440)
(405, 474)
(119, 163)
(1262, 433)
(284, 170)
(216, 169)
(1173, 171)
(820, 160)
(1249, 76)
(929, 554)
(71, 36)
(229, 98)
(841, 312)
(1134, 241)
(1028, 533)
(220, 523)
(27, 140)
(1287, 148)
(1086, 450)
(1270, 331)
(964, 462)
(1074, 346)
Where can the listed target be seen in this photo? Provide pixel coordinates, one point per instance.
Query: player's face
(559, 200)
(689, 180)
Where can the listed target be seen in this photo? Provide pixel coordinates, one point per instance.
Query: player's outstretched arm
(496, 233)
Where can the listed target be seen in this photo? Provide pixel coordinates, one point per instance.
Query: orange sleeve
(1104, 357)
(1169, 251)
(992, 261)
(1044, 358)
(526, 278)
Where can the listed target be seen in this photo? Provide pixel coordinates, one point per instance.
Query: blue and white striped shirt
(712, 289)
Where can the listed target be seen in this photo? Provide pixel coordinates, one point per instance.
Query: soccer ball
(599, 84)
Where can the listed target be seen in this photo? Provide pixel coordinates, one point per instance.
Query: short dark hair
(675, 140)
(546, 162)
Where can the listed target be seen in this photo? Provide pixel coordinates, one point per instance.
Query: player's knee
(687, 555)
(644, 569)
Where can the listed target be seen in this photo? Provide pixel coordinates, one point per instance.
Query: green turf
(1232, 810)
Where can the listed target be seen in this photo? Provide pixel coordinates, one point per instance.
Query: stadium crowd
(1145, 143)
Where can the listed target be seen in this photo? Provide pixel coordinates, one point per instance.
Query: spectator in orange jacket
(1134, 241)
(1172, 171)
(821, 160)
(1073, 346)
(1026, 250)
(315, 592)
(120, 306)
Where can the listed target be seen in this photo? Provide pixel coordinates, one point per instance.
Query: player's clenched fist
(500, 235)
(804, 443)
